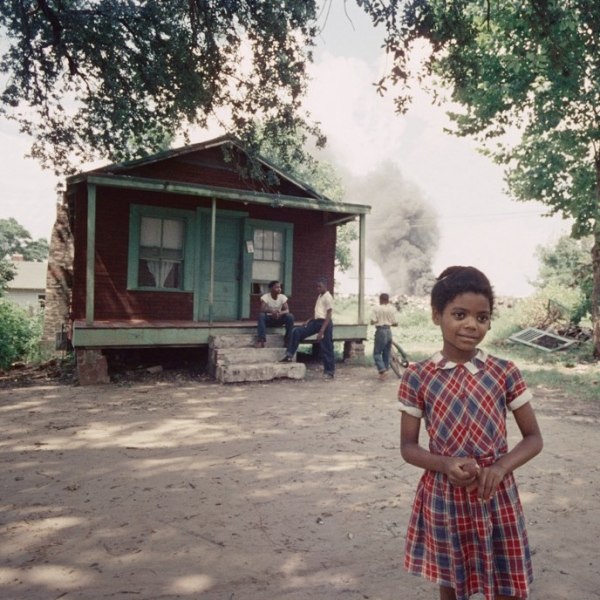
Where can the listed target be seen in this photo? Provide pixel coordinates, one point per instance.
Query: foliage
(526, 76)
(567, 264)
(115, 78)
(20, 333)
(7, 274)
(552, 305)
(15, 239)
(322, 177)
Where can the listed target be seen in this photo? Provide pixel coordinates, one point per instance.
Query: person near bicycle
(384, 317)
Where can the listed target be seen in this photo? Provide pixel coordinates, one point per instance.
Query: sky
(479, 224)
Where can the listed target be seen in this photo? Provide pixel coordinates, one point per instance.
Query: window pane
(171, 273)
(268, 240)
(266, 270)
(146, 270)
(161, 253)
(172, 234)
(268, 256)
(150, 232)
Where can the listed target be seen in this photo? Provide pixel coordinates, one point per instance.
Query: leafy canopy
(15, 239)
(114, 79)
(566, 264)
(526, 76)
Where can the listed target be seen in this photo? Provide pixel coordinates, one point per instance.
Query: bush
(554, 304)
(20, 334)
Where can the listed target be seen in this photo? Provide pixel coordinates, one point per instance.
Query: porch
(138, 333)
(89, 340)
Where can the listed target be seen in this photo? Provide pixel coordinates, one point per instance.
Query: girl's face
(464, 323)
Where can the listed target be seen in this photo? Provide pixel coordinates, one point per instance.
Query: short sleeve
(408, 393)
(517, 393)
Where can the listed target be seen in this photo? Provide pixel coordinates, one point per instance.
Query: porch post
(90, 254)
(361, 266)
(211, 285)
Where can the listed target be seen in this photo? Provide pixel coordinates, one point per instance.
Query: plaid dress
(454, 538)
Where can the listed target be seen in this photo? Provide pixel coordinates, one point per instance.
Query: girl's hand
(489, 480)
(462, 471)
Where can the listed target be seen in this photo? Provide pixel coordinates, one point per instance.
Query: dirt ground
(183, 488)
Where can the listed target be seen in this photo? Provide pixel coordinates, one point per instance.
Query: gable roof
(124, 175)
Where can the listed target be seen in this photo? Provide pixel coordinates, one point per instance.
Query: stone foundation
(92, 367)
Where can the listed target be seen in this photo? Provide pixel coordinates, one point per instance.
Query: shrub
(554, 304)
(20, 333)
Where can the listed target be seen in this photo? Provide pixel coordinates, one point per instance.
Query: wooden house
(172, 248)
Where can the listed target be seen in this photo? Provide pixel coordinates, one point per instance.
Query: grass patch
(572, 371)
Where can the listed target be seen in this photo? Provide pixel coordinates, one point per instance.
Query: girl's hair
(456, 280)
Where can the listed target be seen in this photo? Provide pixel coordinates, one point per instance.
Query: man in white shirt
(384, 317)
(322, 325)
(274, 312)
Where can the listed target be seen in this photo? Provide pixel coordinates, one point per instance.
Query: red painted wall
(314, 255)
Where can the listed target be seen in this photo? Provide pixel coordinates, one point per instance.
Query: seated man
(274, 312)
(322, 325)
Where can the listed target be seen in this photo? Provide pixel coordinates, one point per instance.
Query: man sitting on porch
(274, 312)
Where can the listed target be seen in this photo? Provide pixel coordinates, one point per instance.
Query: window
(161, 253)
(160, 242)
(269, 259)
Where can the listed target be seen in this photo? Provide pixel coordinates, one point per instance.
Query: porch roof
(347, 211)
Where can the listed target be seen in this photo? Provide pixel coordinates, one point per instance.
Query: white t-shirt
(274, 304)
(385, 314)
(323, 304)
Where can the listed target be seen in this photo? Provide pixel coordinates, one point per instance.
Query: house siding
(314, 252)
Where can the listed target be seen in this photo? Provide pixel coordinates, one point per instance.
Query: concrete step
(230, 356)
(274, 340)
(237, 373)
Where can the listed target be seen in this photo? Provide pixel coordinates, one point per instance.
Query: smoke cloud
(402, 230)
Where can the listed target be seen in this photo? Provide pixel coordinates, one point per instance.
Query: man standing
(274, 312)
(322, 325)
(384, 317)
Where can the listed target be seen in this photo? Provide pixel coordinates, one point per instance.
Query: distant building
(28, 288)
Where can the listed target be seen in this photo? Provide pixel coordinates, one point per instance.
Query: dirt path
(291, 490)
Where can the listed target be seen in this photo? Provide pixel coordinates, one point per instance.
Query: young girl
(467, 530)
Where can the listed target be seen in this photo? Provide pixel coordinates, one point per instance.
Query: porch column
(211, 284)
(362, 233)
(90, 278)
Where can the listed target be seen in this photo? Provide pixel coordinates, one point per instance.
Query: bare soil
(169, 487)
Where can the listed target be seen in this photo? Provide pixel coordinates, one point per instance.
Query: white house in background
(28, 288)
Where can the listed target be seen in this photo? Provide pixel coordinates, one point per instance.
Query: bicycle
(398, 359)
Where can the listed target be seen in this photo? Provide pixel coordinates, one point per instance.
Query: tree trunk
(596, 290)
(596, 269)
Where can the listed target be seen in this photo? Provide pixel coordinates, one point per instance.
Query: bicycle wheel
(398, 359)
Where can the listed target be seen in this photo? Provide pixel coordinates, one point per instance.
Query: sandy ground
(293, 490)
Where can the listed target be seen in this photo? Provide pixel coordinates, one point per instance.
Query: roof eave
(229, 194)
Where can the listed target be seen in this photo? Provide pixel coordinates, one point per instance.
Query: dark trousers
(264, 321)
(312, 327)
(382, 348)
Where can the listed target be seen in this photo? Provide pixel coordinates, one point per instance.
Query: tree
(567, 264)
(7, 274)
(319, 174)
(15, 239)
(113, 79)
(526, 76)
